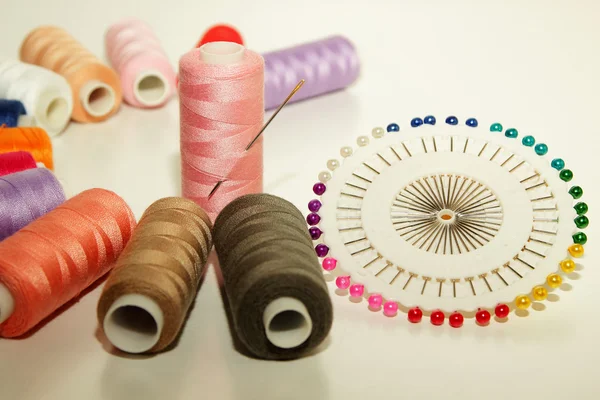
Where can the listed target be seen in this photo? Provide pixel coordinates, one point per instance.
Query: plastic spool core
(7, 303)
(222, 52)
(150, 88)
(446, 216)
(57, 113)
(134, 323)
(97, 98)
(287, 322)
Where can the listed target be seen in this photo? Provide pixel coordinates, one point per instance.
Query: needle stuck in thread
(292, 93)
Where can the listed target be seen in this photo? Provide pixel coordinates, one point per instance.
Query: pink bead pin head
(375, 301)
(390, 308)
(342, 282)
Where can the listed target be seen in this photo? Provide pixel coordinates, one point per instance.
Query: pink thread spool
(147, 77)
(221, 91)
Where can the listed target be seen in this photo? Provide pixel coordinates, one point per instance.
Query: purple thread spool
(326, 65)
(26, 196)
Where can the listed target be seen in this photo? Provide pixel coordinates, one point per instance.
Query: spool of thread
(16, 161)
(326, 65)
(12, 113)
(221, 33)
(221, 108)
(147, 77)
(32, 140)
(46, 95)
(278, 297)
(147, 296)
(95, 86)
(53, 259)
(25, 196)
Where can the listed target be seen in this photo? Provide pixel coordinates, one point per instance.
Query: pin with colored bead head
(392, 203)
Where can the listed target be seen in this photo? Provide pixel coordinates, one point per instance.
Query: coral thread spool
(45, 95)
(147, 77)
(95, 85)
(53, 259)
(221, 109)
(31, 140)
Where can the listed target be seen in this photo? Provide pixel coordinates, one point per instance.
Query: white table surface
(531, 64)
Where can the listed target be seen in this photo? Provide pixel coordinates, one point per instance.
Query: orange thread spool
(53, 259)
(96, 87)
(32, 140)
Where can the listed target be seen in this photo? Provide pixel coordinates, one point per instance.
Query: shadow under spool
(147, 297)
(279, 301)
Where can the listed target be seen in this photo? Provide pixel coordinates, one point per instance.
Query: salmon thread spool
(45, 94)
(56, 257)
(32, 140)
(147, 77)
(147, 296)
(95, 85)
(221, 109)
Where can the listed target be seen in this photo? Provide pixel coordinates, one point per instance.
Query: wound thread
(53, 259)
(278, 297)
(95, 86)
(327, 65)
(147, 77)
(16, 161)
(45, 95)
(221, 109)
(10, 112)
(147, 297)
(32, 140)
(25, 196)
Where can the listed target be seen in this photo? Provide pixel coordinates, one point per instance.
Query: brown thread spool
(279, 301)
(96, 87)
(147, 297)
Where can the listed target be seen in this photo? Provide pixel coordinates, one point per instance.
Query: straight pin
(507, 265)
(483, 276)
(360, 177)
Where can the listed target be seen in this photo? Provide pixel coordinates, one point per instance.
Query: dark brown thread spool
(147, 297)
(279, 301)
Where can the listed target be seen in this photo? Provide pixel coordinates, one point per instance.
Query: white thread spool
(97, 98)
(7, 303)
(46, 95)
(287, 322)
(134, 323)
